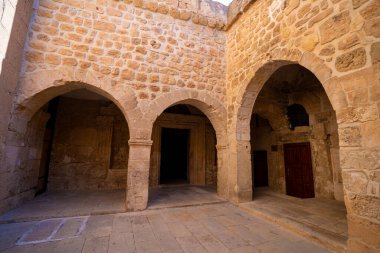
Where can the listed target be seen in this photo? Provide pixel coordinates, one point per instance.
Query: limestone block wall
(14, 22)
(90, 146)
(339, 42)
(143, 55)
(153, 53)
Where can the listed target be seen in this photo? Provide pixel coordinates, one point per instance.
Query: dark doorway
(299, 170)
(260, 168)
(174, 156)
(47, 147)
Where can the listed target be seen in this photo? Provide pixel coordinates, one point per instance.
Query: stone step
(328, 239)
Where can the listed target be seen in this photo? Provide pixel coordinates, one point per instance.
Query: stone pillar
(138, 174)
(243, 189)
(240, 172)
(222, 184)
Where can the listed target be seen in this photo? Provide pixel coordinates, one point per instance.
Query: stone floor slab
(208, 227)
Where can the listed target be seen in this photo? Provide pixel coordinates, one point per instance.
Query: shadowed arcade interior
(294, 137)
(82, 139)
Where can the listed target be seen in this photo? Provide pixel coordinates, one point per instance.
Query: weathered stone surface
(350, 136)
(335, 27)
(351, 60)
(357, 3)
(371, 134)
(291, 5)
(348, 42)
(372, 10)
(146, 54)
(309, 42)
(375, 53)
(372, 27)
(327, 51)
(355, 181)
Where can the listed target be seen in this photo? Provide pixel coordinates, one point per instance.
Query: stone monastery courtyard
(190, 126)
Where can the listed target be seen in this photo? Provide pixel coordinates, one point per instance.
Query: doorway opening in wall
(174, 156)
(183, 164)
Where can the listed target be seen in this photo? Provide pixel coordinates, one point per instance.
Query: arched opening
(294, 122)
(297, 116)
(76, 150)
(183, 153)
(296, 174)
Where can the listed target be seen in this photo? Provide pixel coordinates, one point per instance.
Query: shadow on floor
(166, 196)
(57, 204)
(322, 220)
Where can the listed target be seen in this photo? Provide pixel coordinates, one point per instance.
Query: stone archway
(35, 90)
(316, 127)
(245, 100)
(137, 195)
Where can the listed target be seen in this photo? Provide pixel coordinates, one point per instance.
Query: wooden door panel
(299, 170)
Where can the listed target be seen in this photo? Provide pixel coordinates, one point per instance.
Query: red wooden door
(299, 170)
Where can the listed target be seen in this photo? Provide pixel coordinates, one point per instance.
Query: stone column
(243, 190)
(138, 174)
(222, 184)
(240, 172)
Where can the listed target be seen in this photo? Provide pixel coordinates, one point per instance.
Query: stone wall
(337, 41)
(148, 55)
(149, 51)
(90, 146)
(142, 55)
(13, 33)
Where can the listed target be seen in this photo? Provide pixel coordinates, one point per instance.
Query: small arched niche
(297, 116)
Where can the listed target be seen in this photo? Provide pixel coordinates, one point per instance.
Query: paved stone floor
(183, 195)
(214, 228)
(178, 219)
(321, 219)
(66, 204)
(82, 203)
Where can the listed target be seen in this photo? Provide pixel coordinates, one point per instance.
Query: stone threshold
(188, 205)
(321, 236)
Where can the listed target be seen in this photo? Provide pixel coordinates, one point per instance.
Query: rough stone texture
(265, 35)
(90, 146)
(351, 60)
(13, 34)
(148, 55)
(335, 27)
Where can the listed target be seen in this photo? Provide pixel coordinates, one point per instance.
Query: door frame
(306, 144)
(197, 147)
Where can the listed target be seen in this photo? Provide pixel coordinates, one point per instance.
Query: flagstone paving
(205, 223)
(217, 227)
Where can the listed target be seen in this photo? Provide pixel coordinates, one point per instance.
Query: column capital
(221, 147)
(140, 142)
